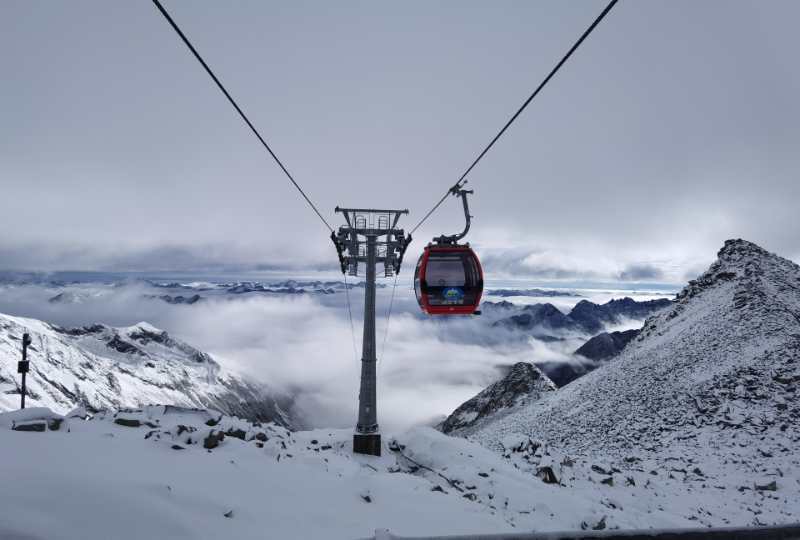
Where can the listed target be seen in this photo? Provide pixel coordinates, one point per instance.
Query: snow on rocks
(154, 476)
(523, 383)
(32, 419)
(98, 367)
(697, 413)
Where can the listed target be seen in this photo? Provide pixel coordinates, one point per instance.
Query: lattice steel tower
(359, 242)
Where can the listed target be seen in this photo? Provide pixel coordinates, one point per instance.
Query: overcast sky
(675, 126)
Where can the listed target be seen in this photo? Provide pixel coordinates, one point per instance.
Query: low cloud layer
(302, 345)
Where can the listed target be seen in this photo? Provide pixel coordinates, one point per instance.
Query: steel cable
(461, 180)
(239, 110)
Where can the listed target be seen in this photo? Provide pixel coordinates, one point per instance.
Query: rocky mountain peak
(755, 274)
(720, 362)
(523, 383)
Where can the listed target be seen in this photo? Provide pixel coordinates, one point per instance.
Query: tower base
(369, 444)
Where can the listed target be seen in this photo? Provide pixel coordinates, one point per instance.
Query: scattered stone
(128, 422)
(547, 475)
(236, 433)
(440, 489)
(178, 447)
(30, 426)
(261, 436)
(608, 481)
(599, 526)
(213, 439)
(470, 496)
(483, 474)
(772, 486)
(228, 514)
(185, 429)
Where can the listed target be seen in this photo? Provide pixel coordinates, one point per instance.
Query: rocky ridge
(703, 399)
(100, 367)
(523, 383)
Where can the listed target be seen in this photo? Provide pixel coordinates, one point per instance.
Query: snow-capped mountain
(706, 395)
(606, 344)
(530, 292)
(586, 317)
(592, 317)
(102, 367)
(523, 383)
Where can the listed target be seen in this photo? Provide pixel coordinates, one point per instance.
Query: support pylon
(371, 225)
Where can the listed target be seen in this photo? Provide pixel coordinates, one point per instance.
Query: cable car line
(239, 110)
(388, 319)
(350, 315)
(461, 180)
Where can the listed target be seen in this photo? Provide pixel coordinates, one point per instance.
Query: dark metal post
(24, 366)
(367, 439)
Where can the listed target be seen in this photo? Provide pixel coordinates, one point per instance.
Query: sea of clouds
(304, 344)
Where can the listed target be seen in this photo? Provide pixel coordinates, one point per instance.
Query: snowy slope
(100, 367)
(166, 472)
(703, 400)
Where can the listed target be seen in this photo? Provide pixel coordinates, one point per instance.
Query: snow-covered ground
(147, 474)
(696, 423)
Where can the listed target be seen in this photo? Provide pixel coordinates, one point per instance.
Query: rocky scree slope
(705, 398)
(100, 367)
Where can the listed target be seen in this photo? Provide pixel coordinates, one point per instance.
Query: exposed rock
(547, 475)
(606, 345)
(770, 486)
(213, 439)
(97, 367)
(545, 316)
(709, 381)
(127, 422)
(236, 433)
(592, 317)
(586, 316)
(35, 425)
(523, 384)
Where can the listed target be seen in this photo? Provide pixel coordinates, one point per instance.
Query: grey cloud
(117, 151)
(640, 272)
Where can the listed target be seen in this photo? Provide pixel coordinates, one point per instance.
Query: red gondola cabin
(448, 280)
